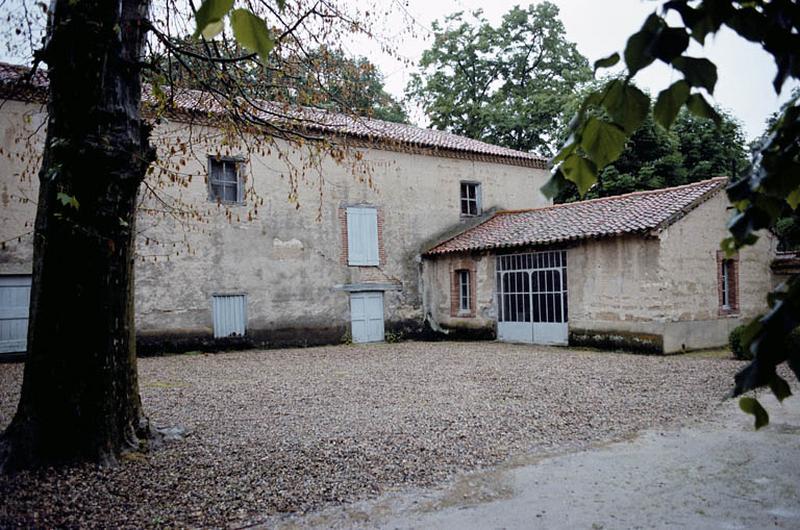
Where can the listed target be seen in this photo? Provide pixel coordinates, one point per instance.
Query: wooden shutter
(362, 236)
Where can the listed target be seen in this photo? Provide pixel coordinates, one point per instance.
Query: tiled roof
(307, 118)
(634, 213)
(786, 263)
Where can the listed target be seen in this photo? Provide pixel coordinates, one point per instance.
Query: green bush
(737, 348)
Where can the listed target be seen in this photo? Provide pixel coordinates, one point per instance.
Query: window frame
(237, 163)
(464, 291)
(725, 285)
(728, 284)
(465, 200)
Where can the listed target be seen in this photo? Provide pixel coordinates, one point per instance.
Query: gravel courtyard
(298, 430)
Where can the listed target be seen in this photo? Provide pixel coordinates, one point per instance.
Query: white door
(366, 316)
(15, 294)
(532, 298)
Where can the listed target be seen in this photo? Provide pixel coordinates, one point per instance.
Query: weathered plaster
(287, 258)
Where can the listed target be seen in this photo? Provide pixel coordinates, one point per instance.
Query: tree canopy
(321, 77)
(505, 85)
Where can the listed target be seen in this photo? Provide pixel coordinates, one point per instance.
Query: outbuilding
(640, 271)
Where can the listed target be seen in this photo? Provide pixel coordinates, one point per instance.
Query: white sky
(601, 27)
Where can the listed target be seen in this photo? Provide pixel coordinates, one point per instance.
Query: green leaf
(554, 185)
(779, 387)
(794, 198)
(281, 4)
(252, 32)
(209, 17)
(627, 105)
(580, 171)
(638, 52)
(669, 103)
(565, 151)
(67, 200)
(670, 43)
(606, 62)
(700, 73)
(752, 406)
(602, 141)
(698, 106)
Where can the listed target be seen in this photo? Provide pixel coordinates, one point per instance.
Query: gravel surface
(298, 430)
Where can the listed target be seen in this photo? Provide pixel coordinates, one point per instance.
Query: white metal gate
(532, 297)
(15, 294)
(366, 316)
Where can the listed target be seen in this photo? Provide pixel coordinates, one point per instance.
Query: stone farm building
(395, 228)
(641, 271)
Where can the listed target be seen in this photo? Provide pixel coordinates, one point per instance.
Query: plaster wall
(438, 282)
(689, 268)
(284, 247)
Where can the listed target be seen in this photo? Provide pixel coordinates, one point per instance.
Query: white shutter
(362, 236)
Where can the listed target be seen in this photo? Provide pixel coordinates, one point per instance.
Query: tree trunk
(80, 395)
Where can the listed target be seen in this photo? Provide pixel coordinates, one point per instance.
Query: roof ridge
(613, 198)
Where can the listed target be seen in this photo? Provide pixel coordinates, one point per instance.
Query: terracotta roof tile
(638, 212)
(308, 118)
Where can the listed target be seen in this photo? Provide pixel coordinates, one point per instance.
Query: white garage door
(15, 294)
(366, 316)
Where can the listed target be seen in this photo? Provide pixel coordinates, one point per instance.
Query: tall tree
(694, 149)
(505, 85)
(761, 197)
(322, 77)
(80, 397)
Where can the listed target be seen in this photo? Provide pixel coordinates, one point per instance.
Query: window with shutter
(362, 236)
(225, 182)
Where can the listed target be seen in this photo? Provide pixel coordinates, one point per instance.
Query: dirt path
(716, 474)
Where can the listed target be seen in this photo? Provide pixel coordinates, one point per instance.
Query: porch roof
(633, 213)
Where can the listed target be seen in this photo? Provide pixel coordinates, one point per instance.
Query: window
(464, 302)
(362, 236)
(470, 199)
(225, 182)
(462, 289)
(726, 283)
(727, 277)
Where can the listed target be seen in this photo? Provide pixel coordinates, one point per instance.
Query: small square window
(470, 199)
(225, 182)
